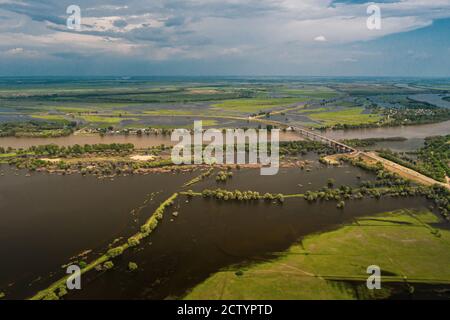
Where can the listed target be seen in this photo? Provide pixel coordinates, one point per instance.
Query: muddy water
(47, 219)
(414, 133)
(290, 180)
(143, 141)
(409, 132)
(398, 146)
(208, 236)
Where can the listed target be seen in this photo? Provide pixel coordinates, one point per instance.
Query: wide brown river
(414, 134)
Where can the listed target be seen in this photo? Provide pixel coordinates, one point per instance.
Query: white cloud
(320, 38)
(200, 29)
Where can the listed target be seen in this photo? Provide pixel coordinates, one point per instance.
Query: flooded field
(434, 99)
(291, 181)
(47, 219)
(208, 236)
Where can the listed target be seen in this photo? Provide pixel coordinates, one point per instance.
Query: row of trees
(55, 150)
(238, 195)
(104, 168)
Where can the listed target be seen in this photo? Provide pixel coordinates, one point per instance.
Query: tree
(330, 183)
(340, 205)
(108, 265)
(132, 266)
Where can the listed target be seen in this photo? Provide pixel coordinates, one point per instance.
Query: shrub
(133, 242)
(114, 252)
(62, 291)
(108, 265)
(51, 296)
(132, 266)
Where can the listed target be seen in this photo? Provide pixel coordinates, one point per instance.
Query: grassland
(345, 116)
(104, 119)
(49, 117)
(318, 92)
(99, 102)
(404, 244)
(255, 105)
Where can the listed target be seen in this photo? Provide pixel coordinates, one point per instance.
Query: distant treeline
(37, 129)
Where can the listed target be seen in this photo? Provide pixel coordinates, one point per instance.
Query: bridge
(308, 134)
(339, 146)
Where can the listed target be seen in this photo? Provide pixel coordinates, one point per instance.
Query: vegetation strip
(199, 178)
(51, 292)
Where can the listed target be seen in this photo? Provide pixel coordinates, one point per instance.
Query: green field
(50, 117)
(256, 105)
(349, 116)
(317, 92)
(102, 103)
(403, 244)
(107, 120)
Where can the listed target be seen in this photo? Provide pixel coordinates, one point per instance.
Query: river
(414, 133)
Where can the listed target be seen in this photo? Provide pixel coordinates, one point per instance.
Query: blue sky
(230, 37)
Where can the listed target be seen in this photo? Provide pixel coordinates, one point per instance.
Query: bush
(108, 265)
(62, 291)
(51, 296)
(132, 266)
(133, 242)
(114, 252)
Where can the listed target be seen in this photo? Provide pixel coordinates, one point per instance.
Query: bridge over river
(369, 156)
(309, 134)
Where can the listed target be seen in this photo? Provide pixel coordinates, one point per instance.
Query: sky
(228, 37)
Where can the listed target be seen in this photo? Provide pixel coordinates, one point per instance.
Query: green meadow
(351, 116)
(404, 244)
(255, 105)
